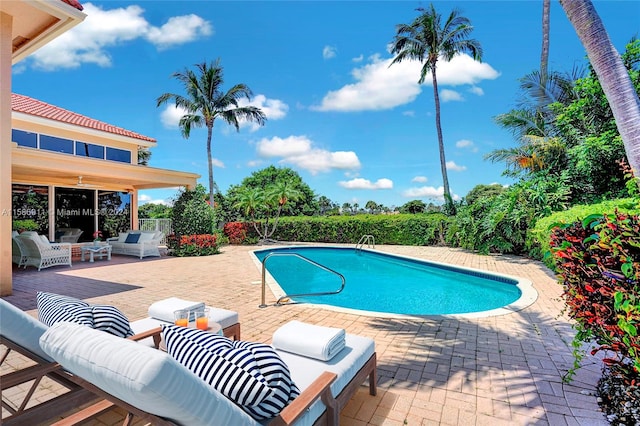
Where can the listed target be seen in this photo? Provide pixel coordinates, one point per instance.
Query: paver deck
(501, 370)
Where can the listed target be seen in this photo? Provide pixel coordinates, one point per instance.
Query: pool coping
(528, 292)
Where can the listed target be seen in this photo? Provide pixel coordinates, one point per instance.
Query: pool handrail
(367, 239)
(288, 296)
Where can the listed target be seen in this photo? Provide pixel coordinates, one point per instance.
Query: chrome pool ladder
(288, 296)
(369, 240)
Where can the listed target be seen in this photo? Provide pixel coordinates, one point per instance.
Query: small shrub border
(193, 245)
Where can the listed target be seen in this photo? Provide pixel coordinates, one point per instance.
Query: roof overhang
(39, 167)
(37, 22)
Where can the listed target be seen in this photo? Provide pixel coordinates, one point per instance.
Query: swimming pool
(380, 283)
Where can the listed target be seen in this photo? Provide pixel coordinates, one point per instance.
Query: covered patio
(502, 370)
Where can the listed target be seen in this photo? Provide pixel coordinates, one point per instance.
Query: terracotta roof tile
(31, 106)
(74, 3)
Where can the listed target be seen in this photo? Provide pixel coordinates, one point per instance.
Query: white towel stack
(163, 309)
(313, 341)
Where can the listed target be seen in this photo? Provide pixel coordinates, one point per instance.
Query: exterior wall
(6, 23)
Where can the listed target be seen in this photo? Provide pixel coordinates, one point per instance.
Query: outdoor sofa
(137, 243)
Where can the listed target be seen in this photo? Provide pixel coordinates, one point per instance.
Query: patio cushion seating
(151, 384)
(161, 312)
(251, 374)
(41, 253)
(137, 243)
(68, 235)
(54, 308)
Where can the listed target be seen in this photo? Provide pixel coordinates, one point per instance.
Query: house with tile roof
(58, 167)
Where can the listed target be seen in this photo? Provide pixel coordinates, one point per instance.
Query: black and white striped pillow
(203, 352)
(278, 377)
(109, 319)
(241, 383)
(54, 308)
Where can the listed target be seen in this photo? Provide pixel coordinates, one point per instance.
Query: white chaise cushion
(146, 378)
(21, 328)
(346, 364)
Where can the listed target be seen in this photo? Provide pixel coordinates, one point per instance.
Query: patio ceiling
(38, 167)
(37, 22)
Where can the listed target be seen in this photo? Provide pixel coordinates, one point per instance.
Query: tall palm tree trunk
(612, 74)
(443, 162)
(544, 56)
(210, 161)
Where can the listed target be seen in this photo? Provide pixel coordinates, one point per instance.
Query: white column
(6, 283)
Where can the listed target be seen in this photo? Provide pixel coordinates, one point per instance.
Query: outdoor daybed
(151, 384)
(137, 243)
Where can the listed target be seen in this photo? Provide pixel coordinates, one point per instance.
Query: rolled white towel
(163, 309)
(313, 341)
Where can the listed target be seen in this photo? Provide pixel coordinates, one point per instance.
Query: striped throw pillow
(203, 353)
(54, 308)
(241, 382)
(109, 319)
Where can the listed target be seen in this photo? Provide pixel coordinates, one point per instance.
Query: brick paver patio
(502, 370)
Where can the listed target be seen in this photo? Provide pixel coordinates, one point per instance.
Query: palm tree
(544, 56)
(427, 40)
(260, 203)
(205, 101)
(612, 74)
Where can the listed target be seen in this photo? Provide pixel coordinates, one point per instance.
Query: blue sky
(354, 128)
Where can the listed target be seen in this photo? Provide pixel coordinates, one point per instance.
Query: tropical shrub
(191, 214)
(538, 236)
(193, 245)
(598, 261)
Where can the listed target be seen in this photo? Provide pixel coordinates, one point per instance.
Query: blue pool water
(381, 282)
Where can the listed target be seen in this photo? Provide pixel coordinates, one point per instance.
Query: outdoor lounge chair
(68, 235)
(152, 385)
(41, 253)
(20, 333)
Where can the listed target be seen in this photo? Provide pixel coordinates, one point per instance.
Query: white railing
(163, 225)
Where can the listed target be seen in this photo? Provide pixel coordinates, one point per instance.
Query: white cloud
(378, 86)
(448, 95)
(329, 52)
(358, 58)
(274, 109)
(147, 199)
(360, 183)
(170, 116)
(419, 179)
(428, 192)
(102, 29)
(288, 147)
(476, 90)
(466, 144)
(409, 113)
(299, 151)
(451, 165)
(178, 30)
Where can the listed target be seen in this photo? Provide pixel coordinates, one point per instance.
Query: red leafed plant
(236, 231)
(598, 261)
(193, 245)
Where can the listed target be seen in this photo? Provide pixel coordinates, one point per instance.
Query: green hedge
(402, 229)
(538, 237)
